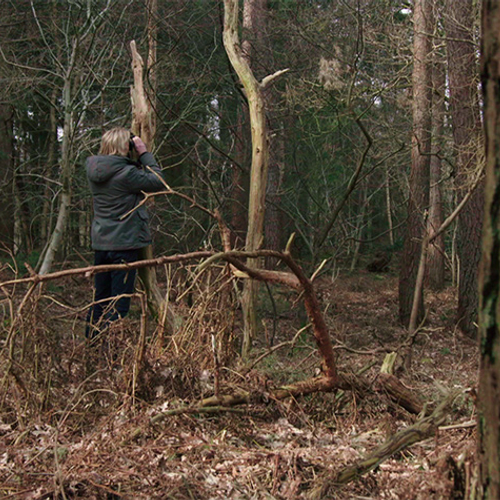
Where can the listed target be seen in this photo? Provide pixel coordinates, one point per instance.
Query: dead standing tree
(142, 125)
(260, 159)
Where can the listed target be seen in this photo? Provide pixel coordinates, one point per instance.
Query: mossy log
(423, 429)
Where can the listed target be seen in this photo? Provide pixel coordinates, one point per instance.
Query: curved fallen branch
(91, 270)
(330, 381)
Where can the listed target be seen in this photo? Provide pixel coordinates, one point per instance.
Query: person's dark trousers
(110, 284)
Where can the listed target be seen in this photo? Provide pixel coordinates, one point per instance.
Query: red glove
(139, 145)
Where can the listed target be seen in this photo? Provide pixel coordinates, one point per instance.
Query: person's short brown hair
(115, 142)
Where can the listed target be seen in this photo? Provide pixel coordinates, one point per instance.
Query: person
(120, 227)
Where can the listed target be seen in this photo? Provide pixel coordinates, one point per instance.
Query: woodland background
(376, 141)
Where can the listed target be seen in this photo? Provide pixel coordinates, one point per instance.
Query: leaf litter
(89, 437)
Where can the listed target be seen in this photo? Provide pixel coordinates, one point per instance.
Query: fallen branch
(91, 270)
(330, 381)
(421, 430)
(302, 388)
(399, 393)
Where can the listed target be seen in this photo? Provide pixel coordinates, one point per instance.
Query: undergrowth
(79, 420)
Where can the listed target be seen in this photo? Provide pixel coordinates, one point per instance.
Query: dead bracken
(102, 422)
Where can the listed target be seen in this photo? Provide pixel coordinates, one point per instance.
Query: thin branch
(91, 270)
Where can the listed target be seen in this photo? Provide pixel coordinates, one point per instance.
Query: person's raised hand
(139, 145)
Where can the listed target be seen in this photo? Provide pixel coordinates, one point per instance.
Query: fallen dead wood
(347, 382)
(302, 388)
(421, 430)
(399, 393)
(386, 384)
(330, 381)
(190, 410)
(215, 404)
(91, 270)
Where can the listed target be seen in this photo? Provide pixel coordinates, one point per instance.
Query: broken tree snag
(141, 109)
(260, 159)
(142, 126)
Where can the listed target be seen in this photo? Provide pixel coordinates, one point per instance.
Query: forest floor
(85, 435)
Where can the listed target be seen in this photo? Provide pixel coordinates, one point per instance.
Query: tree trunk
(462, 71)
(388, 206)
(435, 259)
(274, 224)
(419, 177)
(46, 223)
(142, 126)
(240, 180)
(7, 204)
(489, 307)
(67, 168)
(152, 31)
(258, 173)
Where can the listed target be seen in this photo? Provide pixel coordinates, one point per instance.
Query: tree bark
(274, 224)
(7, 204)
(489, 307)
(142, 125)
(152, 77)
(258, 173)
(420, 150)
(462, 68)
(46, 224)
(436, 256)
(67, 168)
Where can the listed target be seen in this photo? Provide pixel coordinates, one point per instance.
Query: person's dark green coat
(117, 184)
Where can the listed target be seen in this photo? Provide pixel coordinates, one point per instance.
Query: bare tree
(80, 41)
(260, 156)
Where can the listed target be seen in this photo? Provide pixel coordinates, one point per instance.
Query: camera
(131, 144)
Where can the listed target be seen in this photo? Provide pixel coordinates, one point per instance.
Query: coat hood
(102, 168)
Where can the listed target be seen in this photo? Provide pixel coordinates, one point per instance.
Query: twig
(464, 425)
(193, 411)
